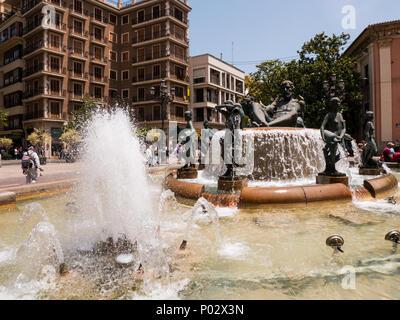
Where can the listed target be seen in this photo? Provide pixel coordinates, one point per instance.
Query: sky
(270, 29)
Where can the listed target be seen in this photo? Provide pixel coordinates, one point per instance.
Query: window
(113, 37)
(54, 108)
(178, 14)
(156, 12)
(78, 6)
(98, 33)
(12, 77)
(141, 93)
(58, 21)
(78, 26)
(98, 72)
(113, 19)
(125, 56)
(125, 38)
(199, 95)
(125, 93)
(199, 114)
(78, 89)
(78, 68)
(199, 80)
(98, 53)
(54, 64)
(4, 35)
(140, 74)
(156, 113)
(140, 16)
(13, 99)
(179, 112)
(54, 86)
(98, 14)
(125, 19)
(156, 52)
(156, 71)
(78, 45)
(13, 31)
(13, 54)
(55, 41)
(113, 55)
(113, 75)
(98, 92)
(156, 31)
(179, 92)
(125, 74)
(113, 93)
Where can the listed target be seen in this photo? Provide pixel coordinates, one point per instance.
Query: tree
(71, 137)
(38, 138)
(319, 58)
(3, 117)
(84, 114)
(5, 143)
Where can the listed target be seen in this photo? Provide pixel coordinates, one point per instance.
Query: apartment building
(98, 49)
(11, 68)
(377, 50)
(213, 81)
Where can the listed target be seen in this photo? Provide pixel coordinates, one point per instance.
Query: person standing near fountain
(32, 159)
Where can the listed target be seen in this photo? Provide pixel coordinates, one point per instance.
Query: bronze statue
(370, 148)
(234, 116)
(333, 130)
(283, 112)
(188, 141)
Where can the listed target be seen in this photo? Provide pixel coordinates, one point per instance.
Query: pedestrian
(30, 165)
(396, 156)
(387, 154)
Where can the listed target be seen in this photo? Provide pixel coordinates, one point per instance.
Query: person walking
(30, 165)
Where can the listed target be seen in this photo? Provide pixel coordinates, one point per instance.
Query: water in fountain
(33, 212)
(42, 248)
(113, 195)
(203, 212)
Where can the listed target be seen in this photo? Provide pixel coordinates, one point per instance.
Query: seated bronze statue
(283, 112)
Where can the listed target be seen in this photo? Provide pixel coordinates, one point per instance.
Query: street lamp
(164, 97)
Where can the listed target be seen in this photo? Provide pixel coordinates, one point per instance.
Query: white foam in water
(226, 212)
(233, 251)
(381, 206)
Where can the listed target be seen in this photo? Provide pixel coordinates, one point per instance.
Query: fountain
(120, 235)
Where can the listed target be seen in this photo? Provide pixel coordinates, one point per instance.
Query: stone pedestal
(232, 185)
(322, 179)
(371, 171)
(190, 173)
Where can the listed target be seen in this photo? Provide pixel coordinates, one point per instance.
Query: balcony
(149, 77)
(34, 115)
(30, 5)
(78, 75)
(78, 32)
(144, 98)
(42, 67)
(161, 14)
(99, 40)
(98, 19)
(78, 11)
(33, 92)
(78, 53)
(41, 45)
(97, 79)
(97, 59)
(155, 35)
(7, 15)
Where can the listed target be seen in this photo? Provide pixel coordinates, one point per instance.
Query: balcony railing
(154, 35)
(98, 39)
(149, 77)
(99, 59)
(78, 31)
(79, 11)
(33, 69)
(98, 79)
(40, 44)
(7, 15)
(29, 93)
(34, 115)
(162, 13)
(99, 18)
(80, 75)
(30, 4)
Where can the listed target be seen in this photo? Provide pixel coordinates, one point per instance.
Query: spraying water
(113, 195)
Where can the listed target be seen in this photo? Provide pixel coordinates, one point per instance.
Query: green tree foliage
(38, 138)
(319, 58)
(5, 143)
(71, 137)
(3, 117)
(84, 114)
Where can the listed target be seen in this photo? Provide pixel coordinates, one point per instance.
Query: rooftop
(210, 55)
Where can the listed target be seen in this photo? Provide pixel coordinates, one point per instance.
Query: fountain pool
(230, 253)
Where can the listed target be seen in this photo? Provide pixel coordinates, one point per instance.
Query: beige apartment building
(213, 81)
(91, 48)
(377, 50)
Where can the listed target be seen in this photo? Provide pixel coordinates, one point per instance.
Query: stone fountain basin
(286, 197)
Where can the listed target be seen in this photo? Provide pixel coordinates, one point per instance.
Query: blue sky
(266, 29)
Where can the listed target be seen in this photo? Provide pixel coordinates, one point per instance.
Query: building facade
(67, 49)
(213, 82)
(378, 54)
